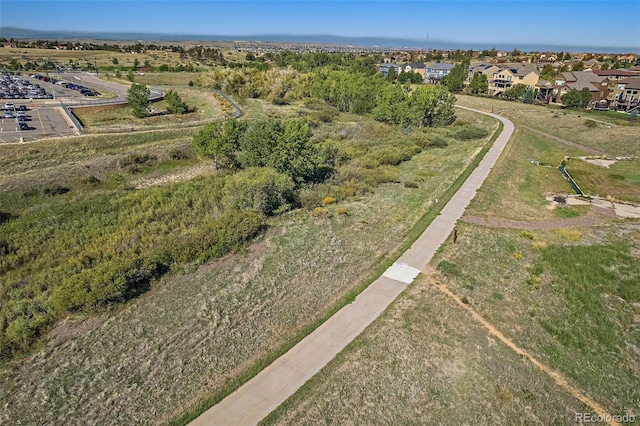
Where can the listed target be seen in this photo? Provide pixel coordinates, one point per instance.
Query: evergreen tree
(529, 96)
(138, 99)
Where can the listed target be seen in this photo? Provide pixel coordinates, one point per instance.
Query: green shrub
(260, 189)
(439, 142)
(590, 124)
(527, 234)
(469, 132)
(410, 184)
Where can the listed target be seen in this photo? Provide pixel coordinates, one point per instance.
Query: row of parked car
(83, 90)
(14, 87)
(19, 112)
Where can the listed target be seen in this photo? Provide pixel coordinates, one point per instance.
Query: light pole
(18, 122)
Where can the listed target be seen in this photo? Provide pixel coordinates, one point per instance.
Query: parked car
(24, 126)
(8, 114)
(9, 105)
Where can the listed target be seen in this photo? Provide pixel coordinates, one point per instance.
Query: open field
(102, 58)
(620, 181)
(620, 138)
(197, 331)
(569, 297)
(425, 361)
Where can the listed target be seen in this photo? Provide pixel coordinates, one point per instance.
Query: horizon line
(101, 35)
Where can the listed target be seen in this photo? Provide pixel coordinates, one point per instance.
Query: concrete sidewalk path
(254, 400)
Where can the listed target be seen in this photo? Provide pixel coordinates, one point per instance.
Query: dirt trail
(565, 142)
(594, 216)
(181, 176)
(556, 376)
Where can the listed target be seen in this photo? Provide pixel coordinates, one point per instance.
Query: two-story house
(629, 97)
(564, 82)
(436, 72)
(486, 69)
(384, 68)
(614, 76)
(509, 76)
(418, 67)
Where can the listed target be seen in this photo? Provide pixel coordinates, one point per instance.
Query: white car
(9, 105)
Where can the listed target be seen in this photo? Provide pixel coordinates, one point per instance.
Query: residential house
(384, 68)
(614, 76)
(592, 64)
(486, 69)
(506, 77)
(630, 58)
(578, 80)
(418, 67)
(545, 90)
(436, 72)
(617, 74)
(629, 98)
(547, 58)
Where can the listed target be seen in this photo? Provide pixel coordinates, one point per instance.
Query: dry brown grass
(165, 351)
(425, 361)
(611, 139)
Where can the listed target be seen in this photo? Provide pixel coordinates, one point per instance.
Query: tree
(529, 96)
(392, 105)
(175, 105)
(455, 79)
(515, 92)
(136, 64)
(115, 61)
(479, 84)
(391, 74)
(285, 146)
(547, 72)
(130, 76)
(577, 98)
(220, 142)
(138, 99)
(579, 66)
(431, 105)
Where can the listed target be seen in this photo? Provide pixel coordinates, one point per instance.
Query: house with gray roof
(564, 82)
(435, 73)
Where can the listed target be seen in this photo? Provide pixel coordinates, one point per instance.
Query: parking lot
(44, 120)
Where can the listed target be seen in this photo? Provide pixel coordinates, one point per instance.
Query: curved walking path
(272, 386)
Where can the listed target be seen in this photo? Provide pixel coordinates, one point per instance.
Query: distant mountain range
(385, 42)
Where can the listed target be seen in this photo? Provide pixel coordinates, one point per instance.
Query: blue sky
(516, 23)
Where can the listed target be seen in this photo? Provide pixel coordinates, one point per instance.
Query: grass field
(570, 297)
(425, 361)
(196, 331)
(620, 181)
(618, 138)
